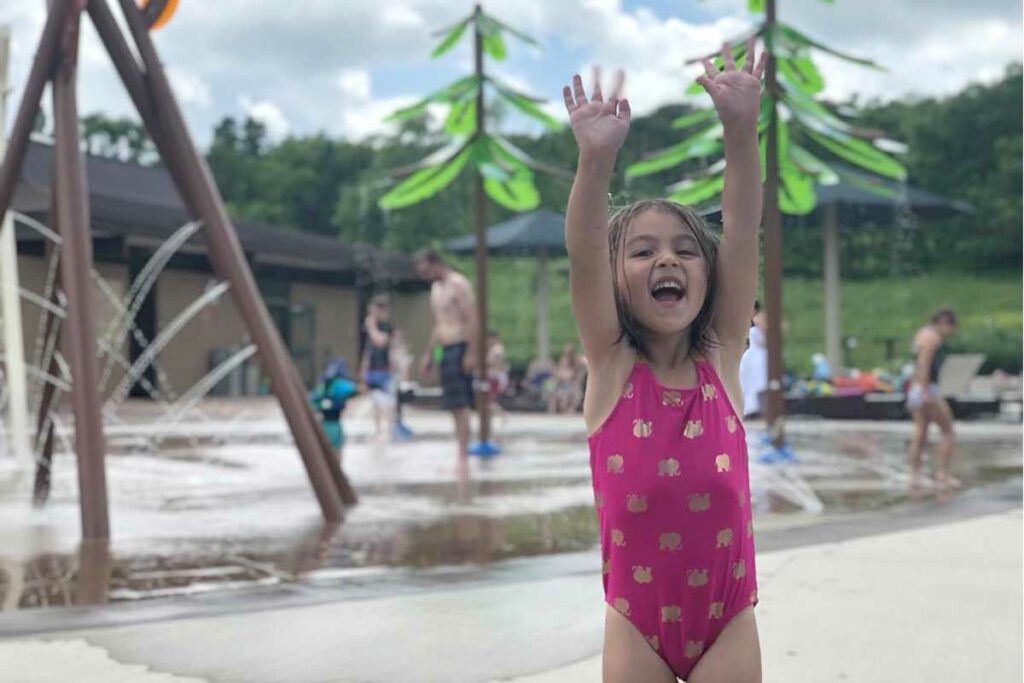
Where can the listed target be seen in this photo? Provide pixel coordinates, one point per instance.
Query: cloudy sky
(342, 65)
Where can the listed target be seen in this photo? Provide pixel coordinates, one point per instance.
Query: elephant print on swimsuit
(694, 428)
(615, 463)
(670, 540)
(641, 574)
(618, 538)
(739, 569)
(709, 392)
(695, 578)
(642, 428)
(724, 538)
(730, 424)
(636, 503)
(622, 606)
(716, 610)
(669, 467)
(671, 614)
(671, 398)
(694, 648)
(722, 463)
(699, 502)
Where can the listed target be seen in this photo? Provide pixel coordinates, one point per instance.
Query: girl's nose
(667, 260)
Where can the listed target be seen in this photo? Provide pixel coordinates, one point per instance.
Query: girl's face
(662, 274)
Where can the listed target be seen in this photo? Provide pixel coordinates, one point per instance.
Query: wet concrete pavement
(937, 602)
(214, 520)
(222, 503)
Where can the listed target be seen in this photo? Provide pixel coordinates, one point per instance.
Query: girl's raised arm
(736, 94)
(600, 127)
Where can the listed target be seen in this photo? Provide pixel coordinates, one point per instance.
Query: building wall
(32, 276)
(186, 359)
(336, 311)
(411, 315)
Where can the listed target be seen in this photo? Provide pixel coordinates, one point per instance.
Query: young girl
(664, 329)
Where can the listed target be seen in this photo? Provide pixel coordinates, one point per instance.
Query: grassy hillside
(872, 311)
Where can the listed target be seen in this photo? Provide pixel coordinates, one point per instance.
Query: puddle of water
(227, 515)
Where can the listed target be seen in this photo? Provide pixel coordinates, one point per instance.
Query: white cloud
(267, 113)
(354, 84)
(321, 64)
(189, 88)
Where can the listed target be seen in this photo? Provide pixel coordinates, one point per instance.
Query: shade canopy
(527, 234)
(861, 199)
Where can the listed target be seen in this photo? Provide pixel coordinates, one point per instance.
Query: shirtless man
(455, 329)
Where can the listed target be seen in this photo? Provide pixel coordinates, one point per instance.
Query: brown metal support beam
(135, 83)
(229, 261)
(43, 446)
(42, 68)
(774, 405)
(76, 263)
(480, 228)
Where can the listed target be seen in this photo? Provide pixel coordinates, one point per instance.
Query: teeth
(668, 284)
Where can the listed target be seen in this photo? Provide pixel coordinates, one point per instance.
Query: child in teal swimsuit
(329, 398)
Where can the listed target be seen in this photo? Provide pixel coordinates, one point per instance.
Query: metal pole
(774, 405)
(543, 331)
(10, 303)
(480, 227)
(833, 346)
(229, 261)
(76, 262)
(42, 67)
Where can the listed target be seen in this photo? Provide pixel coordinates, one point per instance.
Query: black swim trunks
(456, 384)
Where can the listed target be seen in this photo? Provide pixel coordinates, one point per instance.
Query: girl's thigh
(735, 657)
(628, 657)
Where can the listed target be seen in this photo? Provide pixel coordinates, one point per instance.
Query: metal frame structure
(147, 85)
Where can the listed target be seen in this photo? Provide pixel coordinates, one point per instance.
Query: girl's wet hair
(701, 337)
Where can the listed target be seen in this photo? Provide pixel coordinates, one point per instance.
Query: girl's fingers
(727, 60)
(624, 111)
(570, 103)
(759, 69)
(710, 70)
(595, 92)
(748, 62)
(708, 82)
(618, 83)
(577, 89)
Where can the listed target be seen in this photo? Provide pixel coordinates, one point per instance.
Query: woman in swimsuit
(926, 404)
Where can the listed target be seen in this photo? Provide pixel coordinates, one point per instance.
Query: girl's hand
(736, 93)
(599, 125)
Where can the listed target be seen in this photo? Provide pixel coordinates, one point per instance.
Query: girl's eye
(642, 252)
(685, 252)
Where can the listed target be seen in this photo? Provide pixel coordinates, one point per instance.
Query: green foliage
(798, 81)
(123, 139)
(966, 146)
(874, 311)
(507, 177)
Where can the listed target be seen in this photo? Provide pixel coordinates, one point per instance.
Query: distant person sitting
(926, 404)
(568, 375)
(329, 398)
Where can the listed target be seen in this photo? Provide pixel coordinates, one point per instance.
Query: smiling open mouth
(667, 291)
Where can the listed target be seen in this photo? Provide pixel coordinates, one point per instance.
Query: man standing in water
(455, 329)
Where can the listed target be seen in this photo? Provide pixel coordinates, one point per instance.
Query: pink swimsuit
(669, 468)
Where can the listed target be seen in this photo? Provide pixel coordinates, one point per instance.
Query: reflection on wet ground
(214, 509)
